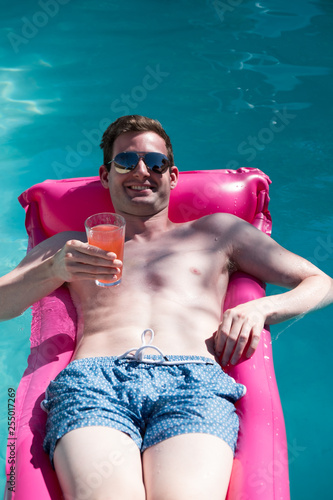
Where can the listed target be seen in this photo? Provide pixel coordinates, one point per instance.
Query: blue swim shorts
(149, 401)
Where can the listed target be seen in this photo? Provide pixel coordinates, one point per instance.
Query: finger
(88, 249)
(255, 339)
(93, 276)
(223, 333)
(90, 260)
(230, 342)
(78, 268)
(91, 255)
(242, 342)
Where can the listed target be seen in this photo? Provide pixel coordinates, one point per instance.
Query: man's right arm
(47, 266)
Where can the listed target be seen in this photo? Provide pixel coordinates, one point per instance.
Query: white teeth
(139, 188)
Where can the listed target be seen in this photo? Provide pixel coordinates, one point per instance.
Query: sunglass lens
(157, 162)
(127, 160)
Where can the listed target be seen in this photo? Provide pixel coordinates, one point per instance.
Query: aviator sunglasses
(128, 160)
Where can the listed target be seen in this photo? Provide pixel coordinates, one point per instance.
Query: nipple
(196, 271)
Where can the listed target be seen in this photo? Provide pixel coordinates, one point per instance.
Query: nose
(141, 170)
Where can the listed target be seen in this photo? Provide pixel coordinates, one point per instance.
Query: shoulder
(218, 222)
(225, 227)
(230, 230)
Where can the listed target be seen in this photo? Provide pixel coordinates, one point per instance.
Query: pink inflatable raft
(260, 470)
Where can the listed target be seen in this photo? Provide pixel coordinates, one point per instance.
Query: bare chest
(173, 261)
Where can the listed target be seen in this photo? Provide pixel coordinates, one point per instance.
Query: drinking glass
(107, 231)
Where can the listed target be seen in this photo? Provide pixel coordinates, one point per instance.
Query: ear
(174, 175)
(104, 176)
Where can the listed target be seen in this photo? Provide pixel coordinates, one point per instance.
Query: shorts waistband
(171, 359)
(154, 359)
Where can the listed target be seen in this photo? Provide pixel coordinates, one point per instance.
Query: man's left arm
(255, 253)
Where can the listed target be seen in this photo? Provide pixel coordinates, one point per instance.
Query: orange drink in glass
(107, 231)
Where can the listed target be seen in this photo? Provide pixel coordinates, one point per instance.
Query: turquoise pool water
(235, 83)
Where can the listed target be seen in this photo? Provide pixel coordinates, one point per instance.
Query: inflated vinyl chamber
(260, 470)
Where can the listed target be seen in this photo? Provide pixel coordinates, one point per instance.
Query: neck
(147, 227)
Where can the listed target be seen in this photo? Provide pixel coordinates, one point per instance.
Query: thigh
(191, 466)
(99, 463)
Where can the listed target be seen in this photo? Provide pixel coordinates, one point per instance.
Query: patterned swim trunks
(149, 400)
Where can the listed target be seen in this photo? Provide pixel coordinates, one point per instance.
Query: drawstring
(137, 354)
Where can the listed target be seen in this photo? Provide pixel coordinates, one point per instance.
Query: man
(166, 421)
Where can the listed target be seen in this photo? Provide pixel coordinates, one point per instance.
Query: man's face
(140, 191)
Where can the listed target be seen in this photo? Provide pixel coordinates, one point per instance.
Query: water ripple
(17, 111)
(276, 16)
(281, 76)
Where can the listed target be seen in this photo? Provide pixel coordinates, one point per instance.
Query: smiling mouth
(140, 188)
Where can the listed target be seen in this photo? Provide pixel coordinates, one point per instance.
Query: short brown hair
(132, 123)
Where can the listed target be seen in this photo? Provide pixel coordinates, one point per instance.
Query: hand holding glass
(107, 231)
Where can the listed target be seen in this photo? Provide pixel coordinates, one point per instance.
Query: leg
(99, 463)
(189, 466)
